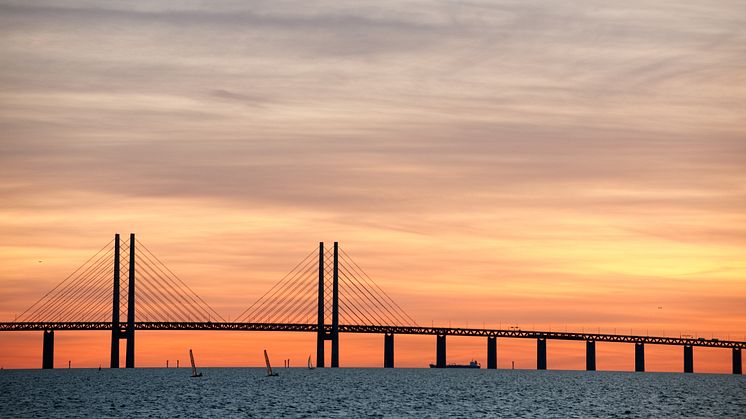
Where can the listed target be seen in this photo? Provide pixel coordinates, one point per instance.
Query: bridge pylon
(332, 334)
(321, 333)
(128, 332)
(115, 328)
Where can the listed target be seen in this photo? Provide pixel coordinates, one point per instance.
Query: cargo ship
(472, 364)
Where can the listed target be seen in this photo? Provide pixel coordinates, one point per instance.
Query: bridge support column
(440, 354)
(590, 355)
(321, 333)
(47, 358)
(130, 334)
(115, 329)
(388, 350)
(737, 361)
(335, 308)
(639, 357)
(688, 358)
(541, 354)
(491, 352)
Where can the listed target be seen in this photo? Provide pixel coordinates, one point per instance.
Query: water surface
(242, 392)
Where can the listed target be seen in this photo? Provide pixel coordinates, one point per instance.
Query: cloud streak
(533, 146)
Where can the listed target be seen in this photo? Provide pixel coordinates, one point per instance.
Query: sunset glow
(535, 164)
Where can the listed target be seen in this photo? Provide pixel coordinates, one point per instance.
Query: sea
(360, 392)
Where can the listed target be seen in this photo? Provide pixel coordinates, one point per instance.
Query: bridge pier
(590, 355)
(440, 354)
(47, 358)
(491, 352)
(688, 358)
(639, 357)
(737, 361)
(541, 353)
(388, 350)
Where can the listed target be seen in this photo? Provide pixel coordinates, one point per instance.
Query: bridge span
(440, 332)
(369, 310)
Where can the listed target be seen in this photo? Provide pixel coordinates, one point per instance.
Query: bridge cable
(306, 305)
(71, 287)
(289, 296)
(165, 304)
(192, 310)
(156, 302)
(240, 316)
(173, 277)
(301, 296)
(379, 304)
(145, 310)
(361, 317)
(306, 313)
(94, 302)
(356, 266)
(218, 316)
(171, 299)
(160, 287)
(355, 293)
(396, 317)
(64, 280)
(80, 314)
(360, 313)
(269, 294)
(65, 297)
(360, 293)
(271, 303)
(282, 300)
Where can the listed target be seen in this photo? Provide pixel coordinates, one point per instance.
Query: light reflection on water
(361, 392)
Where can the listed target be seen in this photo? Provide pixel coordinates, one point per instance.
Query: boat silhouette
(269, 367)
(472, 364)
(194, 368)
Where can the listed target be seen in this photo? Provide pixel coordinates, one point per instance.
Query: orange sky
(546, 166)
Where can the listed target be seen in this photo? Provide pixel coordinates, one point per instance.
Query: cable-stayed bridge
(124, 288)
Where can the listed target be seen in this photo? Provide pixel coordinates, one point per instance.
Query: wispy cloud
(560, 141)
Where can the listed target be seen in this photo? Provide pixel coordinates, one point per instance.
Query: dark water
(241, 392)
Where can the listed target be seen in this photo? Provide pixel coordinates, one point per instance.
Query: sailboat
(269, 367)
(310, 365)
(194, 368)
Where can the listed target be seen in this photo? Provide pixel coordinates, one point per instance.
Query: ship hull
(457, 366)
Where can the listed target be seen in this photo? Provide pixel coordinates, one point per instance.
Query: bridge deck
(349, 328)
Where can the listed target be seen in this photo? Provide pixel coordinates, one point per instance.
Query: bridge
(93, 298)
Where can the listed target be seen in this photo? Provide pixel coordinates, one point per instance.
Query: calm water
(241, 392)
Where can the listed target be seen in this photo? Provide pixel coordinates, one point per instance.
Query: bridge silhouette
(326, 293)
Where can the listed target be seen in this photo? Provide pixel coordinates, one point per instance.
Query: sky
(551, 165)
